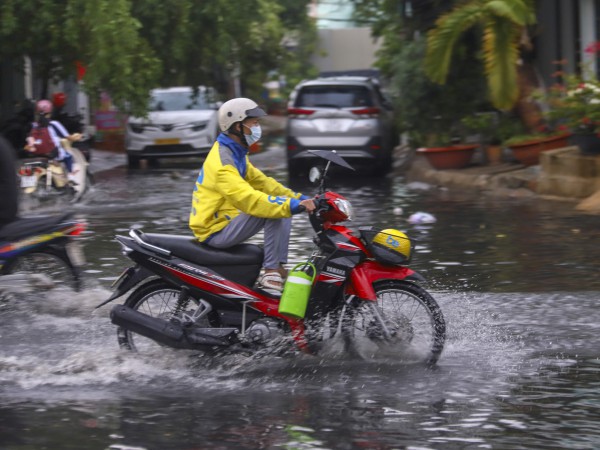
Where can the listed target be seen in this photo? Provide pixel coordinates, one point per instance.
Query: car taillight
(300, 112)
(370, 112)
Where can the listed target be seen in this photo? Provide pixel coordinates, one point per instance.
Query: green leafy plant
(428, 112)
(503, 25)
(492, 127)
(574, 101)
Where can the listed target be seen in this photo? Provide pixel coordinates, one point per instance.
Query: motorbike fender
(368, 272)
(128, 279)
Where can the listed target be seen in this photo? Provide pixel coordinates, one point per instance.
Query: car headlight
(345, 207)
(198, 126)
(136, 127)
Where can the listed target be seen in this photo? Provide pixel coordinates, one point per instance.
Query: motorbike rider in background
(57, 132)
(233, 200)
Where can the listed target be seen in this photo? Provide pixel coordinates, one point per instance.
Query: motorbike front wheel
(405, 322)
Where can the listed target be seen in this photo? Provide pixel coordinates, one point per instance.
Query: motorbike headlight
(345, 207)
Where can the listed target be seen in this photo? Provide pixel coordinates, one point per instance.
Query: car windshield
(178, 101)
(334, 97)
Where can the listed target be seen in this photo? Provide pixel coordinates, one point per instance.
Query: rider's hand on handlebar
(309, 205)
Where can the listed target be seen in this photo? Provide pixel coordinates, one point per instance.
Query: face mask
(255, 136)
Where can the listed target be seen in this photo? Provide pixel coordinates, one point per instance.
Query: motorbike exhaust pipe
(170, 333)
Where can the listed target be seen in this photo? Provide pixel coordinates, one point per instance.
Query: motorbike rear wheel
(154, 298)
(404, 322)
(51, 264)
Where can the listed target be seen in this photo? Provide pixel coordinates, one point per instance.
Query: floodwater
(517, 280)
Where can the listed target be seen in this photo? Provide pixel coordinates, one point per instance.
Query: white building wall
(588, 18)
(345, 49)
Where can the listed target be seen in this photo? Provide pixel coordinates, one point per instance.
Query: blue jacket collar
(239, 152)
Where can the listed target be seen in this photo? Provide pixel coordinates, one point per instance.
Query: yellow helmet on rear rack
(391, 246)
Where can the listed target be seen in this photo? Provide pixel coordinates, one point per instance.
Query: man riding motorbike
(233, 200)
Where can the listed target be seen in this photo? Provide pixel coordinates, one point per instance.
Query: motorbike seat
(27, 226)
(190, 249)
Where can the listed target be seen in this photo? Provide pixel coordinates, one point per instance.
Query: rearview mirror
(314, 175)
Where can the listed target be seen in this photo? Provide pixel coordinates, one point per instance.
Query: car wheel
(133, 162)
(383, 166)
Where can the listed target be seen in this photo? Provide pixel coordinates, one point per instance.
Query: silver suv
(348, 114)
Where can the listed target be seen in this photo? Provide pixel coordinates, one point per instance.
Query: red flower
(594, 47)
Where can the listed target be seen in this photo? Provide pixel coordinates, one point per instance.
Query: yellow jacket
(229, 184)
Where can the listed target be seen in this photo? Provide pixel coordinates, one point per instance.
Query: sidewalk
(563, 175)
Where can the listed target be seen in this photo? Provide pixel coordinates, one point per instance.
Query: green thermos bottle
(296, 290)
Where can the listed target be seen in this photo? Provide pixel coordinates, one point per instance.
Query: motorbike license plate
(75, 253)
(170, 141)
(28, 181)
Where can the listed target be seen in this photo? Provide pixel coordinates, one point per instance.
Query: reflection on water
(516, 279)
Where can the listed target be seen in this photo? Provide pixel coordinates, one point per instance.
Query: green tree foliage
(502, 23)
(428, 112)
(131, 46)
(397, 22)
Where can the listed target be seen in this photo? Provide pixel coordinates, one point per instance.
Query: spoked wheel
(45, 270)
(405, 322)
(156, 299)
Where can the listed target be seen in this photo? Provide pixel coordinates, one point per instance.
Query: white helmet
(236, 110)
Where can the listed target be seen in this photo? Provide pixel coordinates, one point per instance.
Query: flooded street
(517, 280)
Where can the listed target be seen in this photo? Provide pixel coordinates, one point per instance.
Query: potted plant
(574, 102)
(444, 152)
(492, 128)
(526, 148)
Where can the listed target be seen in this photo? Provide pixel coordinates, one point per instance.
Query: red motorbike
(186, 295)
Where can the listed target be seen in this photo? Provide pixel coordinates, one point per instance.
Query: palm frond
(501, 54)
(441, 40)
(520, 12)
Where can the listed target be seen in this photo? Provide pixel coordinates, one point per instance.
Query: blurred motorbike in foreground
(38, 253)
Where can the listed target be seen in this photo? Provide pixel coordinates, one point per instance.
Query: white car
(180, 123)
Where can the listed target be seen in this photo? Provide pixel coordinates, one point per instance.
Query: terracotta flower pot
(528, 152)
(493, 154)
(451, 157)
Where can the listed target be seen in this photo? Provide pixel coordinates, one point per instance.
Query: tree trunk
(526, 108)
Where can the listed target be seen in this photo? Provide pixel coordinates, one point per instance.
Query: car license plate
(28, 181)
(170, 141)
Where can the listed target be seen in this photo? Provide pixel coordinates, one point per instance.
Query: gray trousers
(243, 227)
